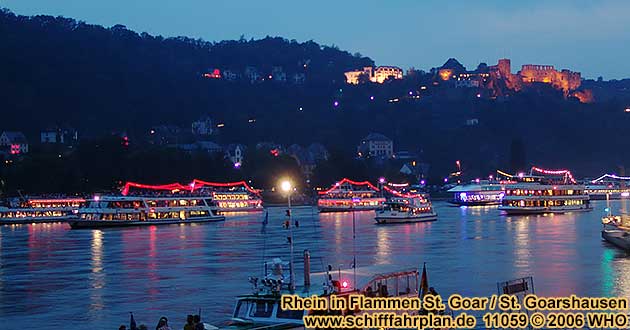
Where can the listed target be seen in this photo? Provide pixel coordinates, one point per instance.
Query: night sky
(592, 37)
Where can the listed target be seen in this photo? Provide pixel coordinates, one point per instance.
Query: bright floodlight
(286, 186)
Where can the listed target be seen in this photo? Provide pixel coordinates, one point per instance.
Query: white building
(251, 73)
(202, 126)
(235, 153)
(376, 145)
(383, 73)
(15, 142)
(57, 135)
(278, 74)
(378, 75)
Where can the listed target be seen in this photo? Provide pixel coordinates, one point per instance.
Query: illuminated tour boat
(477, 193)
(231, 196)
(348, 195)
(166, 204)
(227, 196)
(547, 192)
(406, 209)
(39, 210)
(608, 186)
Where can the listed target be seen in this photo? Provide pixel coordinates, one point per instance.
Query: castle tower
(504, 67)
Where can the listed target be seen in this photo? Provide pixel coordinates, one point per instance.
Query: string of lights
(611, 176)
(346, 180)
(194, 185)
(567, 173)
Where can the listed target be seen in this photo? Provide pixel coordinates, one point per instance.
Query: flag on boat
(265, 222)
(132, 323)
(424, 281)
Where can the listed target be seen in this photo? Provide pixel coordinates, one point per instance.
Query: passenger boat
(616, 228)
(120, 211)
(39, 210)
(537, 194)
(477, 193)
(406, 209)
(228, 196)
(347, 195)
(261, 308)
(608, 186)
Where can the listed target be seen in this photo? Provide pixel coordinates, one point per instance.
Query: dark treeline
(102, 80)
(104, 165)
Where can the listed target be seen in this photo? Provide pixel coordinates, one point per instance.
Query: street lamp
(287, 187)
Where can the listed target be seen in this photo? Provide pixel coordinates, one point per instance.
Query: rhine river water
(54, 277)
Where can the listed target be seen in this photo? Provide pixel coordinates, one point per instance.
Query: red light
(344, 284)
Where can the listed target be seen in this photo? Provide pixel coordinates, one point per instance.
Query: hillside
(102, 80)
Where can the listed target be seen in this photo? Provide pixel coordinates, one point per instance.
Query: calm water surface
(51, 276)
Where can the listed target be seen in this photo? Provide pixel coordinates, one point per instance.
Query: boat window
(262, 309)
(241, 309)
(290, 314)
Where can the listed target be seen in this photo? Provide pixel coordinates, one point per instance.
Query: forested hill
(58, 70)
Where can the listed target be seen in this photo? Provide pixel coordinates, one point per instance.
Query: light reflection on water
(56, 276)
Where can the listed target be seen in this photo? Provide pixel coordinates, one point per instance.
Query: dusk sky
(592, 37)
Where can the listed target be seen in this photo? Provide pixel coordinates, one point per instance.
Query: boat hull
(346, 209)
(510, 210)
(26, 221)
(243, 209)
(619, 238)
(385, 219)
(79, 224)
(480, 203)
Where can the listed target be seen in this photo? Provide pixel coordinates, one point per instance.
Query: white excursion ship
(409, 209)
(39, 210)
(118, 211)
(541, 194)
(347, 195)
(480, 193)
(228, 196)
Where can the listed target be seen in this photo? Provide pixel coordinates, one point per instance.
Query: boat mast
(354, 246)
(291, 273)
(608, 204)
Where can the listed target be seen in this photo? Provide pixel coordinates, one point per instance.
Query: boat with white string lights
(39, 210)
(347, 195)
(477, 193)
(608, 186)
(545, 191)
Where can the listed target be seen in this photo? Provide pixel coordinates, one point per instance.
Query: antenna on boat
(608, 204)
(354, 244)
(622, 172)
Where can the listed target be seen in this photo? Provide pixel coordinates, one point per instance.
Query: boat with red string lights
(406, 209)
(122, 211)
(227, 196)
(545, 191)
(347, 195)
(39, 210)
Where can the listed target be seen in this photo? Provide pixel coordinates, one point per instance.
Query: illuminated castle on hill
(378, 75)
(500, 76)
